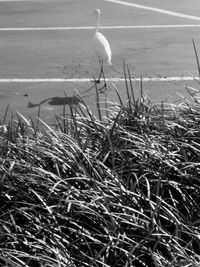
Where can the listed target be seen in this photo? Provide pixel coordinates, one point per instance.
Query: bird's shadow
(72, 100)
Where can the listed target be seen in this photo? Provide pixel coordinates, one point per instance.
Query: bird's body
(101, 48)
(100, 44)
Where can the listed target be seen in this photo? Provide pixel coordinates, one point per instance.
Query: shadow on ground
(56, 101)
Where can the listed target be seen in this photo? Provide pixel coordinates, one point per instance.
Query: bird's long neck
(98, 20)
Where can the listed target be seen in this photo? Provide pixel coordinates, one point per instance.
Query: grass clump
(116, 191)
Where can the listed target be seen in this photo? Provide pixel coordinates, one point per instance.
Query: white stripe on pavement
(19, 0)
(159, 10)
(78, 80)
(101, 27)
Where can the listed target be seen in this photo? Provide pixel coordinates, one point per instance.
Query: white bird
(101, 45)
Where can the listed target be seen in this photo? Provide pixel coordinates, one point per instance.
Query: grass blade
(196, 56)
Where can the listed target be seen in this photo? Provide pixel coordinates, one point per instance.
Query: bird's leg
(98, 81)
(102, 74)
(101, 71)
(105, 84)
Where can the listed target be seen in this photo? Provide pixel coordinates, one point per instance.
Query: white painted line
(159, 10)
(18, 0)
(46, 28)
(15, 0)
(101, 27)
(78, 80)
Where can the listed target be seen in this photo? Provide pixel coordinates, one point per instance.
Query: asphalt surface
(150, 52)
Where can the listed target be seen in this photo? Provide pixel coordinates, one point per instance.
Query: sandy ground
(67, 53)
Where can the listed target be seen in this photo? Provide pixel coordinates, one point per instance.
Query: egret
(101, 45)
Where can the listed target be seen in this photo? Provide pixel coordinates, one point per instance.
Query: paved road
(152, 52)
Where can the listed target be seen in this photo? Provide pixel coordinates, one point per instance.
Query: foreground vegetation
(119, 190)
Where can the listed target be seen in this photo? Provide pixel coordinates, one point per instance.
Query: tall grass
(120, 190)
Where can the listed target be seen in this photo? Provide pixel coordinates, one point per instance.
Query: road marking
(17, 0)
(102, 27)
(159, 10)
(78, 80)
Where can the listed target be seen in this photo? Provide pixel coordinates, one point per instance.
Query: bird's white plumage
(100, 44)
(101, 48)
